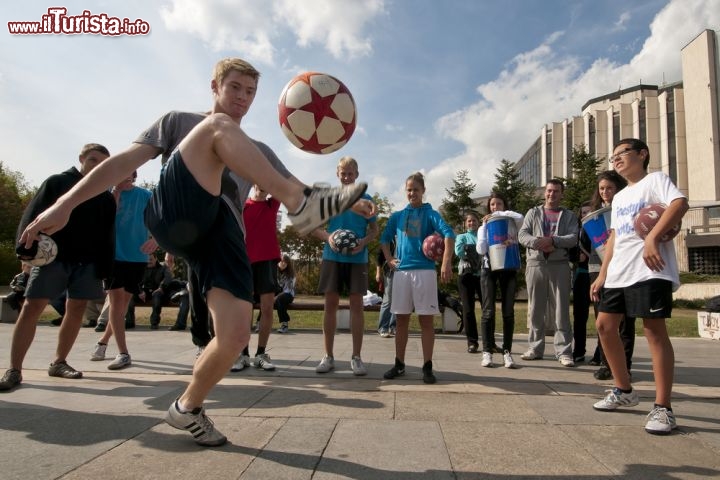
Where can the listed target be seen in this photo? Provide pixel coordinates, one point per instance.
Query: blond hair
(227, 65)
(347, 161)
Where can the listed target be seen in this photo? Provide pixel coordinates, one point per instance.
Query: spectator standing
(548, 232)
(490, 280)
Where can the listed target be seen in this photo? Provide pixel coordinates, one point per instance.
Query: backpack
(713, 304)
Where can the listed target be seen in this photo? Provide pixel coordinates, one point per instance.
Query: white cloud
(622, 22)
(540, 87)
(253, 27)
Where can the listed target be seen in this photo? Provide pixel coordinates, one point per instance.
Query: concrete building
(680, 122)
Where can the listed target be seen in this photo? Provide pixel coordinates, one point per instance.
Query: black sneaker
(176, 328)
(90, 324)
(428, 375)
(398, 370)
(100, 327)
(10, 380)
(473, 348)
(63, 370)
(56, 322)
(603, 373)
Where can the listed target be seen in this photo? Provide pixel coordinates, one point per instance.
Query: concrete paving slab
(368, 450)
(535, 421)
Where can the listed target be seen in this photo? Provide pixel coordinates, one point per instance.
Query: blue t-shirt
(410, 227)
(130, 229)
(349, 220)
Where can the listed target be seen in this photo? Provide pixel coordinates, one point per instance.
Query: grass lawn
(682, 324)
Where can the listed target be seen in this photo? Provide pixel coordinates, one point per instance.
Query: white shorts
(415, 290)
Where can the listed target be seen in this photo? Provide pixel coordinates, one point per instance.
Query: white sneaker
(122, 360)
(240, 364)
(326, 364)
(487, 359)
(507, 358)
(615, 398)
(566, 361)
(531, 355)
(197, 423)
(660, 421)
(263, 362)
(98, 352)
(357, 366)
(322, 203)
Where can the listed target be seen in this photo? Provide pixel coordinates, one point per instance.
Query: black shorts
(127, 275)
(264, 276)
(189, 222)
(648, 299)
(343, 277)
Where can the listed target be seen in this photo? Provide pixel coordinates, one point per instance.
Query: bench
(450, 320)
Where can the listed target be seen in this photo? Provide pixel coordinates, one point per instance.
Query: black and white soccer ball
(345, 241)
(43, 251)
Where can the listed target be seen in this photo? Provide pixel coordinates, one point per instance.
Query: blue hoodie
(410, 226)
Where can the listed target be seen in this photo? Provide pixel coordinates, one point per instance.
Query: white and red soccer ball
(345, 241)
(433, 247)
(317, 112)
(647, 217)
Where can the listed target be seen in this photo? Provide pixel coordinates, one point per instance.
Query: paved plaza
(533, 422)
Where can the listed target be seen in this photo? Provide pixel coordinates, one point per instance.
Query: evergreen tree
(459, 200)
(582, 183)
(521, 196)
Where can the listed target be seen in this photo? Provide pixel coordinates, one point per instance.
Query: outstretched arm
(100, 179)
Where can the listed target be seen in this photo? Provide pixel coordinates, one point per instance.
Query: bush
(9, 264)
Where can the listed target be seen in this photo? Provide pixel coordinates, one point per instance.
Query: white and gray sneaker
(322, 203)
(357, 366)
(197, 423)
(122, 360)
(660, 421)
(508, 360)
(240, 364)
(487, 359)
(98, 352)
(615, 399)
(263, 362)
(326, 364)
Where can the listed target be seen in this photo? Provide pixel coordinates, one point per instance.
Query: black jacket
(89, 236)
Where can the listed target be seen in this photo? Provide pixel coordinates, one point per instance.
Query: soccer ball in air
(317, 112)
(345, 241)
(648, 217)
(45, 252)
(433, 247)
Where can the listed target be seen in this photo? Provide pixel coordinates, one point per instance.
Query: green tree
(582, 183)
(521, 196)
(459, 200)
(14, 197)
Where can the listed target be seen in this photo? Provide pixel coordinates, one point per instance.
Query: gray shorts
(341, 277)
(50, 281)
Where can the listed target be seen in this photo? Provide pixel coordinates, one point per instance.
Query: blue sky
(440, 86)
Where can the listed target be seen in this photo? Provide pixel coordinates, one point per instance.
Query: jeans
(489, 281)
(281, 302)
(581, 310)
(386, 319)
(469, 287)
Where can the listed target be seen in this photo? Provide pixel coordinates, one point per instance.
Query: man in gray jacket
(548, 232)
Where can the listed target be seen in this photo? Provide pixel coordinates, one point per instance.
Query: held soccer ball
(345, 241)
(433, 247)
(41, 253)
(317, 112)
(648, 217)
